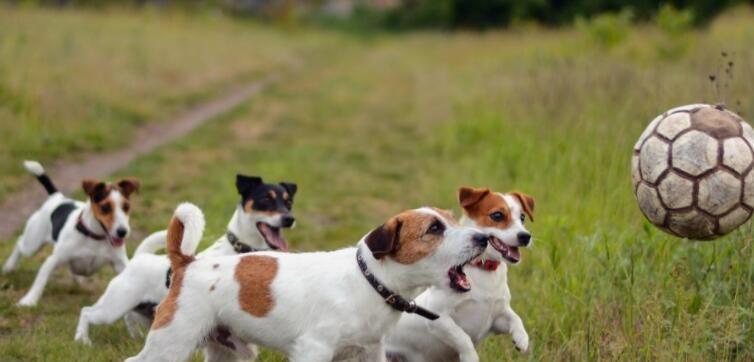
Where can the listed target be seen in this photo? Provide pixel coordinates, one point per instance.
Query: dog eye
(436, 228)
(523, 218)
(105, 208)
(126, 207)
(497, 216)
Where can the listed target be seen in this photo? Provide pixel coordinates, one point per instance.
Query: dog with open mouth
(468, 315)
(314, 307)
(85, 235)
(264, 209)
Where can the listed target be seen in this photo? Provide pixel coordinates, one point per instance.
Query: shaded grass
(402, 121)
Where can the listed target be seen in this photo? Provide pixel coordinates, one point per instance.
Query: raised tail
(152, 243)
(36, 169)
(184, 234)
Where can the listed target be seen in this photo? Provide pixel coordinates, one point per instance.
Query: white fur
(465, 318)
(81, 254)
(143, 280)
(34, 167)
(192, 219)
(323, 307)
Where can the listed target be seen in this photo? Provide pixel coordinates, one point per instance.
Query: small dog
(466, 318)
(263, 210)
(312, 306)
(85, 235)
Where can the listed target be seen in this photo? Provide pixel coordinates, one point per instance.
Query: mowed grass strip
(401, 122)
(77, 81)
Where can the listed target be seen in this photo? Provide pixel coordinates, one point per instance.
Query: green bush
(609, 29)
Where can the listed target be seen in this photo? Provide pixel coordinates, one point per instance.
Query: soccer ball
(692, 171)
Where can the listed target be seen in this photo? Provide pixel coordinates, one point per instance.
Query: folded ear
(384, 239)
(95, 189)
(290, 187)
(127, 186)
(244, 184)
(469, 196)
(527, 203)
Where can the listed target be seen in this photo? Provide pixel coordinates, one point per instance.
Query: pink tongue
(513, 253)
(116, 242)
(273, 237)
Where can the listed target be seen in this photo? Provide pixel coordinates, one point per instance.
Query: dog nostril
(524, 238)
(121, 232)
(480, 239)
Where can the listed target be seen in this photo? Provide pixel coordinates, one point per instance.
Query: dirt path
(17, 207)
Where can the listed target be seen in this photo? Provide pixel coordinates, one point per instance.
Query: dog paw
(26, 302)
(521, 340)
(83, 340)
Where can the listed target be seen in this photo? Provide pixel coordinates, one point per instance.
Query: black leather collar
(85, 230)
(237, 245)
(392, 299)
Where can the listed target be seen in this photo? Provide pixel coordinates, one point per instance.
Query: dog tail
(184, 234)
(36, 169)
(152, 243)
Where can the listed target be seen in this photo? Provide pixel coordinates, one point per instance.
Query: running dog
(263, 210)
(312, 306)
(85, 235)
(466, 318)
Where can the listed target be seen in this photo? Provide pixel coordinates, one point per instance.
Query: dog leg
(32, 296)
(120, 260)
(510, 322)
(214, 352)
(446, 329)
(175, 341)
(12, 262)
(119, 298)
(311, 349)
(136, 323)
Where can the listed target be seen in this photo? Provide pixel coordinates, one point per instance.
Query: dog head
(502, 216)
(268, 208)
(111, 205)
(426, 246)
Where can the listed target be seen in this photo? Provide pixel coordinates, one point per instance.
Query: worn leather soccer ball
(692, 171)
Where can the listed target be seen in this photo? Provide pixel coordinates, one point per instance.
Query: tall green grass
(400, 122)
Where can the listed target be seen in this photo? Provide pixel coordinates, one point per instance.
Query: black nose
(480, 239)
(287, 220)
(523, 238)
(121, 232)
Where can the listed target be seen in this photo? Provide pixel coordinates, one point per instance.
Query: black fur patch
(59, 216)
(266, 197)
(146, 309)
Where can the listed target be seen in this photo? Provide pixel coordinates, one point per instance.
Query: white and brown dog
(468, 316)
(256, 225)
(314, 307)
(85, 235)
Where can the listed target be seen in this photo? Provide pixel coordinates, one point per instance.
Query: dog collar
(237, 245)
(392, 299)
(488, 265)
(84, 230)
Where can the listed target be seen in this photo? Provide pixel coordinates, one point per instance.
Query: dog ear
(244, 184)
(384, 239)
(527, 203)
(290, 187)
(469, 196)
(95, 189)
(127, 186)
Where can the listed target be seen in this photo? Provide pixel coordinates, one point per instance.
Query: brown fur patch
(481, 210)
(447, 214)
(273, 194)
(286, 196)
(127, 186)
(173, 245)
(527, 203)
(255, 275)
(414, 243)
(248, 206)
(106, 218)
(166, 310)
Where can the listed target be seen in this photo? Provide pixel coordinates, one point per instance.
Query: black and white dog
(263, 210)
(85, 235)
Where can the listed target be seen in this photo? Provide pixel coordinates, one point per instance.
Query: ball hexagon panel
(692, 222)
(719, 192)
(694, 153)
(737, 154)
(650, 204)
(675, 191)
(674, 124)
(748, 198)
(653, 160)
(732, 220)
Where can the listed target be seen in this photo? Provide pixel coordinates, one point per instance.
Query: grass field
(393, 122)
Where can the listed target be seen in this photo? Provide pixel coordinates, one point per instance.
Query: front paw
(521, 340)
(27, 302)
(83, 339)
(469, 357)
